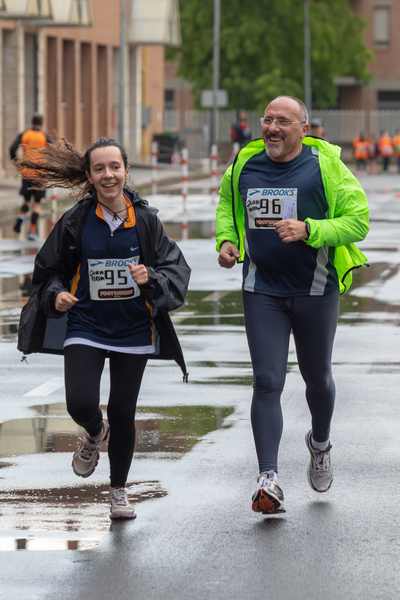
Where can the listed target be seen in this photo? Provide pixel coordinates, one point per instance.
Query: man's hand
(228, 254)
(139, 273)
(64, 301)
(291, 230)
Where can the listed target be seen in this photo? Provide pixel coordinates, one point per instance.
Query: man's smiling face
(283, 127)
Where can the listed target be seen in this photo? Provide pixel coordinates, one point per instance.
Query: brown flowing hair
(60, 165)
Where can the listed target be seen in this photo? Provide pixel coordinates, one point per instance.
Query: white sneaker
(268, 497)
(86, 456)
(319, 471)
(120, 507)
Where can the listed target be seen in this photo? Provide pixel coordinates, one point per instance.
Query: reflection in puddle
(205, 309)
(76, 518)
(65, 518)
(167, 431)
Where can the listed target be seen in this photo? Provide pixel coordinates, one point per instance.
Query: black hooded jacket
(42, 328)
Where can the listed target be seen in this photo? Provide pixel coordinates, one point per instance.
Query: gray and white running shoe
(319, 471)
(268, 497)
(120, 507)
(86, 456)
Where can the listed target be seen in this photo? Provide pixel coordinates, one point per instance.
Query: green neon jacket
(348, 214)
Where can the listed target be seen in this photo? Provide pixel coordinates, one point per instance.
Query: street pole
(307, 57)
(121, 71)
(216, 55)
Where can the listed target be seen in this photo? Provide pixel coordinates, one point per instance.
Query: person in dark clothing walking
(240, 130)
(29, 142)
(110, 273)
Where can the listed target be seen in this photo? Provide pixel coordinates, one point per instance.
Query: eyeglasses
(280, 121)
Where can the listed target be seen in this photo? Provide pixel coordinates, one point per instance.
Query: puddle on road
(76, 518)
(65, 518)
(195, 230)
(212, 308)
(168, 432)
(204, 309)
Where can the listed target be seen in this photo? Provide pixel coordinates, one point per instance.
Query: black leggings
(269, 321)
(83, 368)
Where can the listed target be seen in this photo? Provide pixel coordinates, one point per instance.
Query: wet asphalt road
(195, 535)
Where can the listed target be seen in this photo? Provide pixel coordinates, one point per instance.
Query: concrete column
(3, 156)
(78, 104)
(52, 94)
(93, 95)
(60, 105)
(69, 90)
(20, 56)
(41, 83)
(110, 69)
(11, 91)
(135, 102)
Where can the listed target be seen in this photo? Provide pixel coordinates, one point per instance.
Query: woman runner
(103, 284)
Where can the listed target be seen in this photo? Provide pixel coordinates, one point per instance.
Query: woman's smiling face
(107, 173)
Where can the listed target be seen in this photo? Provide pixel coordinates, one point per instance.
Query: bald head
(293, 103)
(284, 124)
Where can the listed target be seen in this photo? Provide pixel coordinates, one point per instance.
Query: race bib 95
(109, 279)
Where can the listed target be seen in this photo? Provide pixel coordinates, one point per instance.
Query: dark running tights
(83, 368)
(269, 321)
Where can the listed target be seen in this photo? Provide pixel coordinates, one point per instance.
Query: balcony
(48, 13)
(155, 22)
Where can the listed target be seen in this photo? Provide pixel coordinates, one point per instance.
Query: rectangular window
(381, 23)
(169, 99)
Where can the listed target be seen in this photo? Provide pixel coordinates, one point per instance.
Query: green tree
(262, 48)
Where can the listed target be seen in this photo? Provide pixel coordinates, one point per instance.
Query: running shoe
(86, 456)
(319, 471)
(268, 497)
(120, 507)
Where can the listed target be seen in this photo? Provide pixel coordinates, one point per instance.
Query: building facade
(381, 36)
(61, 58)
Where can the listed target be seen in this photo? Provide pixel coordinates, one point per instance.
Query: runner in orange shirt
(29, 142)
(396, 147)
(385, 148)
(361, 147)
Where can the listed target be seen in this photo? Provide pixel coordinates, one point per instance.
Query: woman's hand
(64, 301)
(139, 273)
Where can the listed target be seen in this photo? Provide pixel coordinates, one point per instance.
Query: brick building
(61, 58)
(381, 35)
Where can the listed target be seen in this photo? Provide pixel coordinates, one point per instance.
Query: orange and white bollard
(154, 167)
(214, 173)
(184, 192)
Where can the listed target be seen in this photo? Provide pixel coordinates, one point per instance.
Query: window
(169, 99)
(80, 12)
(381, 26)
(389, 100)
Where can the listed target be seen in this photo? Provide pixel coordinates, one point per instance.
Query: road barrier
(154, 167)
(214, 173)
(184, 192)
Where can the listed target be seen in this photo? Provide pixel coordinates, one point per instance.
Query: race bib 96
(266, 206)
(109, 279)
